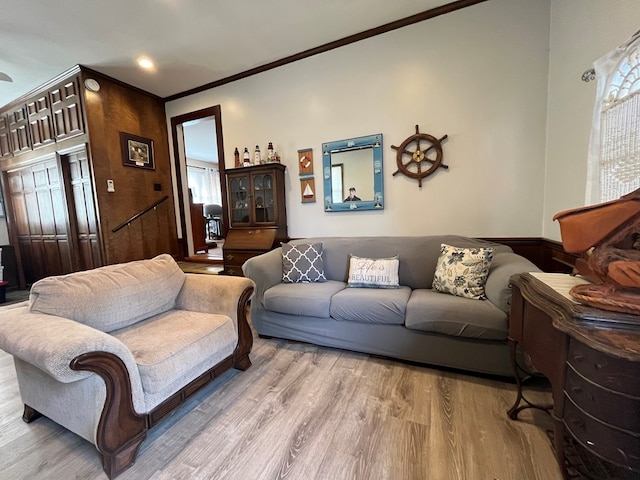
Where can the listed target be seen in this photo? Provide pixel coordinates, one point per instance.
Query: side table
(591, 358)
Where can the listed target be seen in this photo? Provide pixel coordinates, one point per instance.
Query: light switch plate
(110, 186)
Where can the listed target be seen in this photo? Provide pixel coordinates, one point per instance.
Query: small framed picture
(137, 151)
(305, 162)
(308, 190)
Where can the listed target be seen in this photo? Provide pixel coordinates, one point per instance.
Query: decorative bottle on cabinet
(246, 160)
(236, 158)
(270, 152)
(257, 214)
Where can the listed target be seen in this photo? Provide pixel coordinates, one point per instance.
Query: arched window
(614, 163)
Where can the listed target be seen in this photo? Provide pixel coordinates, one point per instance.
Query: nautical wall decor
(419, 156)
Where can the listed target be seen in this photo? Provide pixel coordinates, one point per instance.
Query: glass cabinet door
(239, 195)
(263, 185)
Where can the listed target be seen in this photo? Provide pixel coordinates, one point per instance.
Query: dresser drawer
(237, 257)
(614, 373)
(617, 409)
(607, 442)
(234, 259)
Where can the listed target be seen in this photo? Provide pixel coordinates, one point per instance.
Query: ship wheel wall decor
(417, 151)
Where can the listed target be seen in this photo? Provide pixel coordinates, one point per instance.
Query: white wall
(479, 75)
(581, 32)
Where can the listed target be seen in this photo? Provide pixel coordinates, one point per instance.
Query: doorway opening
(200, 181)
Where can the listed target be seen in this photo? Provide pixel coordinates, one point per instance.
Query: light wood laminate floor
(304, 412)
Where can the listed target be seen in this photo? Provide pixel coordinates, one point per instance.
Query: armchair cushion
(173, 348)
(112, 297)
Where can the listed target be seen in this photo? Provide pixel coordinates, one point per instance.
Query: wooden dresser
(592, 360)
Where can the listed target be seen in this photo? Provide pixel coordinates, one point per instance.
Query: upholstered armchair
(109, 352)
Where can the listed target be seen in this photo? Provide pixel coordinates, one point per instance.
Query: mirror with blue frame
(352, 174)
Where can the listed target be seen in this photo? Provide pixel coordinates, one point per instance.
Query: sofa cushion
(302, 263)
(111, 297)
(368, 305)
(373, 272)
(462, 271)
(175, 347)
(302, 299)
(430, 311)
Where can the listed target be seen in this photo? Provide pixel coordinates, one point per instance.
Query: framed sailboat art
(308, 190)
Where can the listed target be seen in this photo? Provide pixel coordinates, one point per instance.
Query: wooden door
(37, 198)
(55, 216)
(83, 220)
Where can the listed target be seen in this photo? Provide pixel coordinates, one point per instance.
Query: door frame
(180, 160)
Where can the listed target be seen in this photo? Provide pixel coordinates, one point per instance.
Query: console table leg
(517, 369)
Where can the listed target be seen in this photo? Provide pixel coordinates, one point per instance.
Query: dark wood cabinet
(591, 358)
(257, 213)
(19, 129)
(66, 109)
(5, 141)
(50, 116)
(40, 124)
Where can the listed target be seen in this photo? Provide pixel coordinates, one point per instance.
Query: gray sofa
(412, 323)
(109, 352)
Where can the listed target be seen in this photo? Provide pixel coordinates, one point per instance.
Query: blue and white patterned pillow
(463, 271)
(302, 263)
(373, 272)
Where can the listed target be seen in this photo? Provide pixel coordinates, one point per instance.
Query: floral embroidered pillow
(462, 271)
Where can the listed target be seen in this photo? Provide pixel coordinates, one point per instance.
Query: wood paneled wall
(547, 255)
(58, 147)
(118, 108)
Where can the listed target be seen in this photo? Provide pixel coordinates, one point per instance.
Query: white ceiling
(193, 42)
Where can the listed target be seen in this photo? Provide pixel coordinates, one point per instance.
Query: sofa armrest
(503, 267)
(221, 294)
(225, 295)
(265, 270)
(51, 343)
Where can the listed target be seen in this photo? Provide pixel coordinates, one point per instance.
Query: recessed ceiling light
(146, 63)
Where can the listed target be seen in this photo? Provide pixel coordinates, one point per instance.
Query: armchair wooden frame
(121, 430)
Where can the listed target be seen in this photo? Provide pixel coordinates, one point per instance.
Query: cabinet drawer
(607, 442)
(234, 259)
(233, 270)
(237, 257)
(618, 409)
(614, 373)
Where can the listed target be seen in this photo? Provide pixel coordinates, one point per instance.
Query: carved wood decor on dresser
(306, 412)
